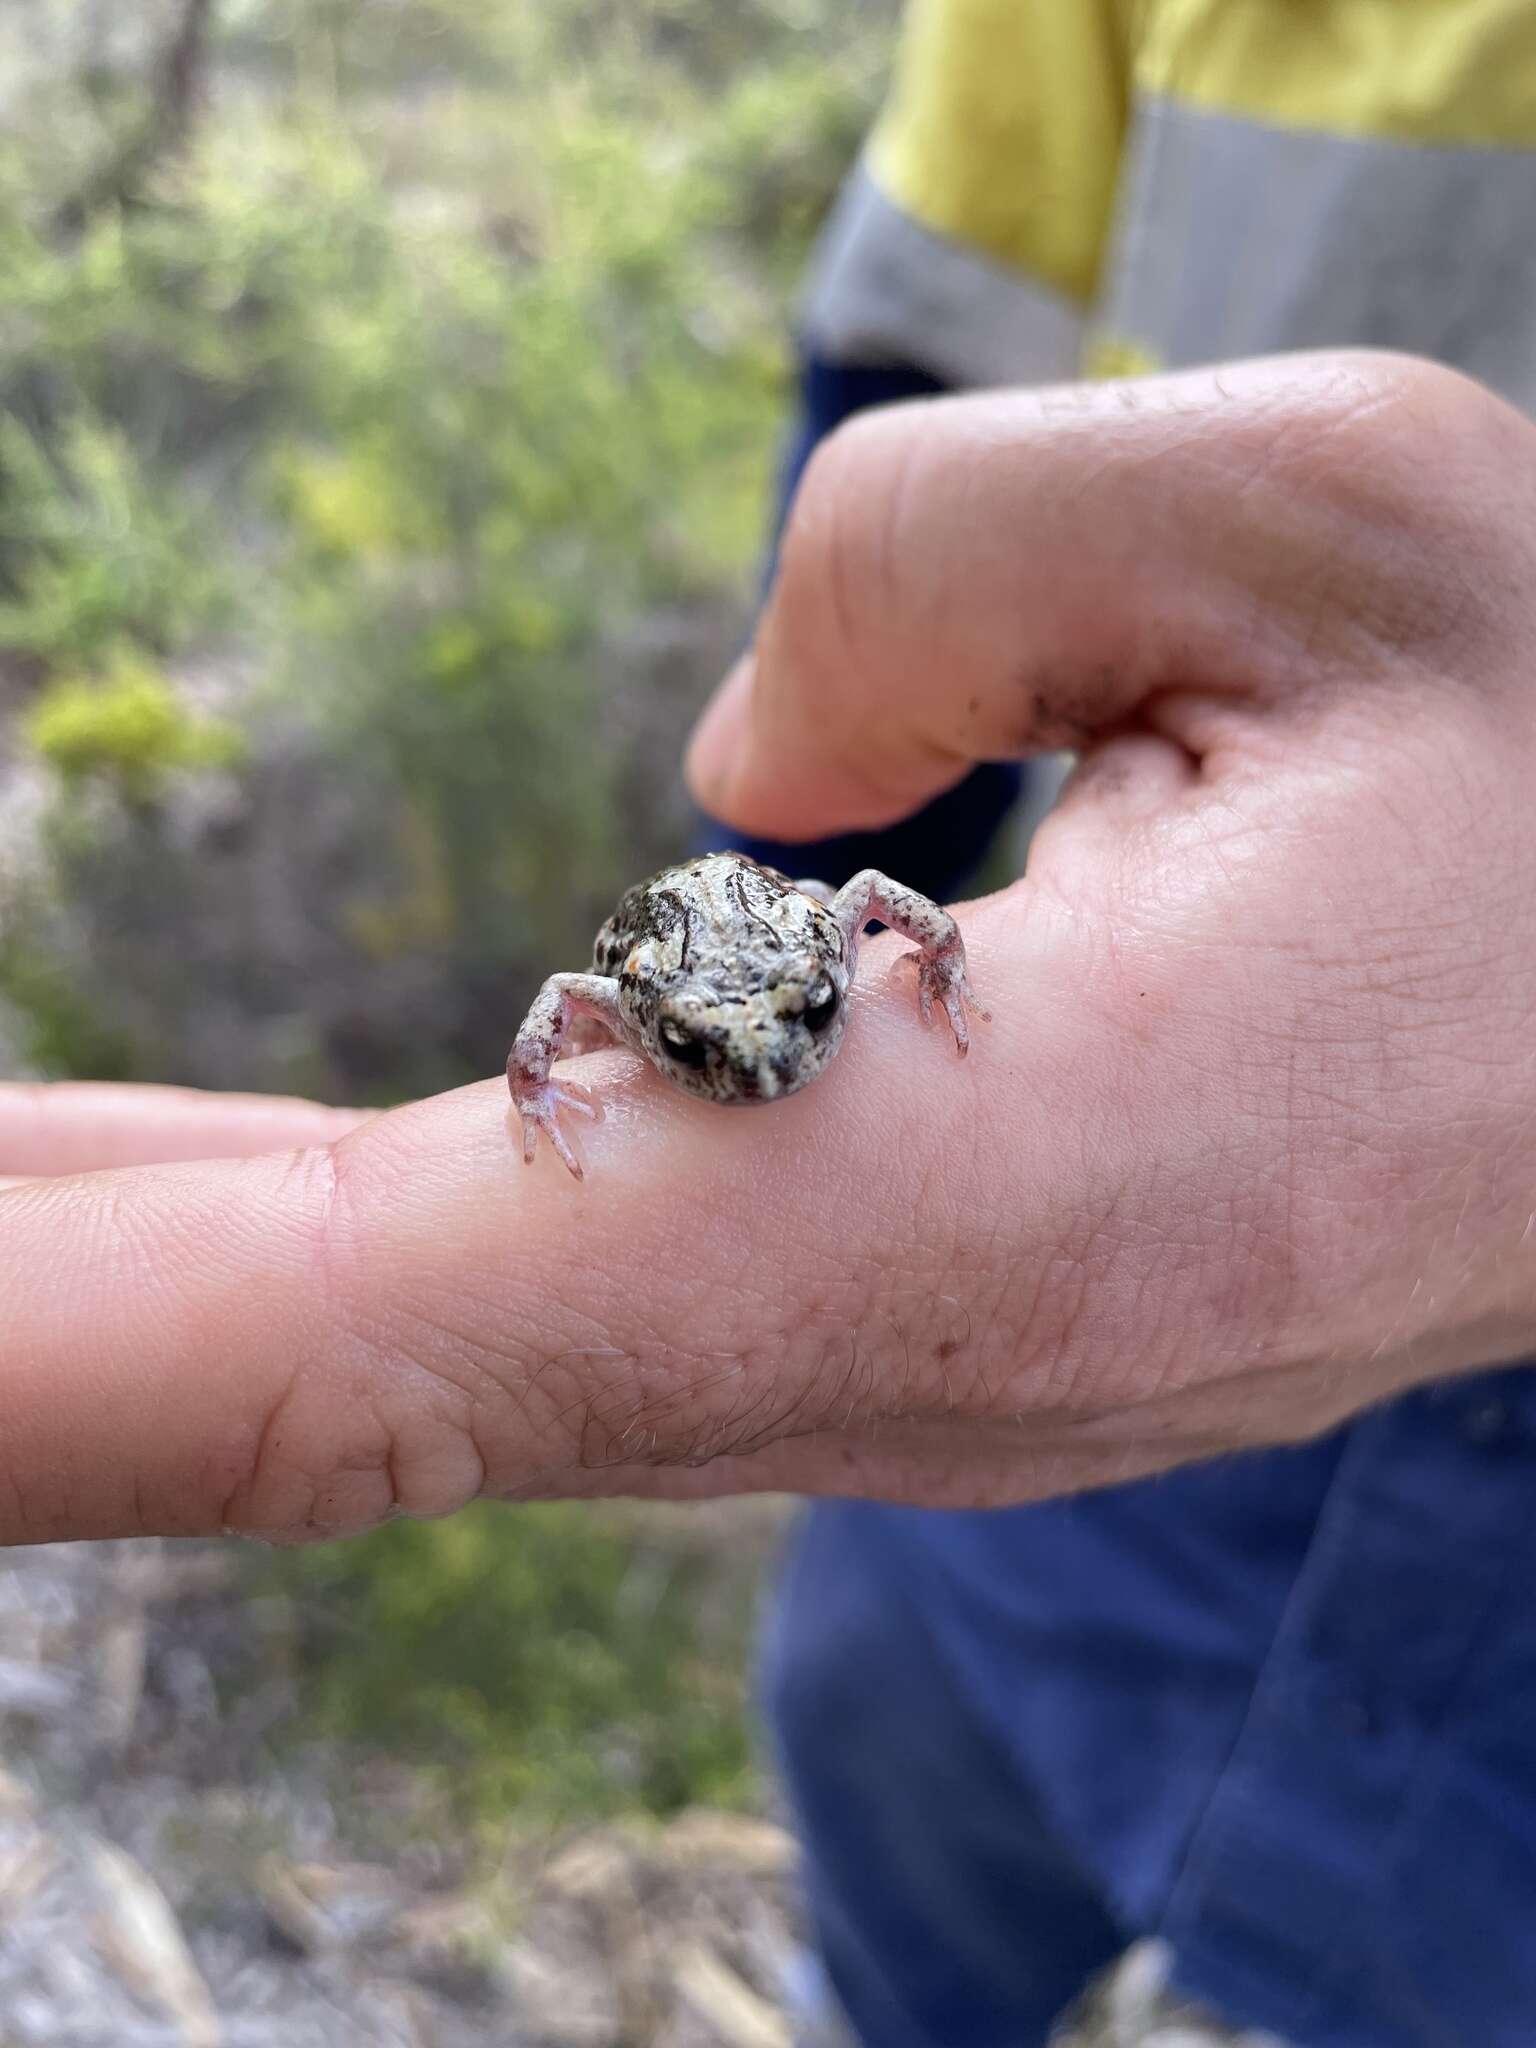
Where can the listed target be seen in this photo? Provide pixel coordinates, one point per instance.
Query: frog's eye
(681, 1045)
(820, 1006)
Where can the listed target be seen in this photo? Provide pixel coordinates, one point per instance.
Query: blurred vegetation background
(388, 396)
(389, 399)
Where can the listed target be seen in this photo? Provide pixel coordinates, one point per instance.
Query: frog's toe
(924, 988)
(571, 1095)
(558, 1139)
(532, 1125)
(540, 1111)
(973, 999)
(941, 978)
(954, 1009)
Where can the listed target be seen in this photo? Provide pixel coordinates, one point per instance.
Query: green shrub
(444, 355)
(125, 726)
(556, 1661)
(95, 550)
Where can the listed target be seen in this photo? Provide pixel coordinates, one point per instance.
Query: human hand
(1279, 939)
(1248, 1144)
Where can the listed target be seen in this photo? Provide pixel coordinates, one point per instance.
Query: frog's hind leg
(940, 958)
(819, 892)
(563, 1011)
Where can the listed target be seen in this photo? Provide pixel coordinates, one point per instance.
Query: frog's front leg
(559, 1013)
(940, 958)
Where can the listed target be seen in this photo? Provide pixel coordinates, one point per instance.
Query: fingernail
(721, 737)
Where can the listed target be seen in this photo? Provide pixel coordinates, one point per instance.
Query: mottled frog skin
(731, 979)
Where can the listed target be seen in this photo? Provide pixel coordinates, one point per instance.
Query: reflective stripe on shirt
(1348, 172)
(885, 289)
(1235, 238)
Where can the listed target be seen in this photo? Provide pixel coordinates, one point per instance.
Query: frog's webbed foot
(540, 1105)
(557, 1023)
(941, 978)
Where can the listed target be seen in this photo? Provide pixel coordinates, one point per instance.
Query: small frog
(731, 979)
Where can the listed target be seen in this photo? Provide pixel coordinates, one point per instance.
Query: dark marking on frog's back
(738, 888)
(644, 912)
(663, 913)
(611, 949)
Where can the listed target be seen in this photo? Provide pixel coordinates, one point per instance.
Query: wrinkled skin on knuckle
(1188, 1242)
(691, 1412)
(305, 1478)
(818, 600)
(1197, 1304)
(844, 577)
(863, 1343)
(1155, 1290)
(796, 1362)
(345, 1448)
(1414, 491)
(605, 1386)
(520, 1369)
(361, 1426)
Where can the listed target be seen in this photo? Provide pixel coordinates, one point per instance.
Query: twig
(178, 81)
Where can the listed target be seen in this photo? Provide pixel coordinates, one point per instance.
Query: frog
(732, 981)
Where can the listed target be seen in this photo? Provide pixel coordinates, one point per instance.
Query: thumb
(984, 577)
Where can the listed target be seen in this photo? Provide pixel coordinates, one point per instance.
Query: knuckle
(356, 1429)
(836, 567)
(1416, 490)
(338, 1454)
(845, 615)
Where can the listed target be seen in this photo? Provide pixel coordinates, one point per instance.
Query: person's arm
(1251, 1142)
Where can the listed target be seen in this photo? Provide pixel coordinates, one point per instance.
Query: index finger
(54, 1127)
(303, 1343)
(978, 578)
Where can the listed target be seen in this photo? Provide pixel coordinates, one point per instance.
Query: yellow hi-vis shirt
(1069, 187)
